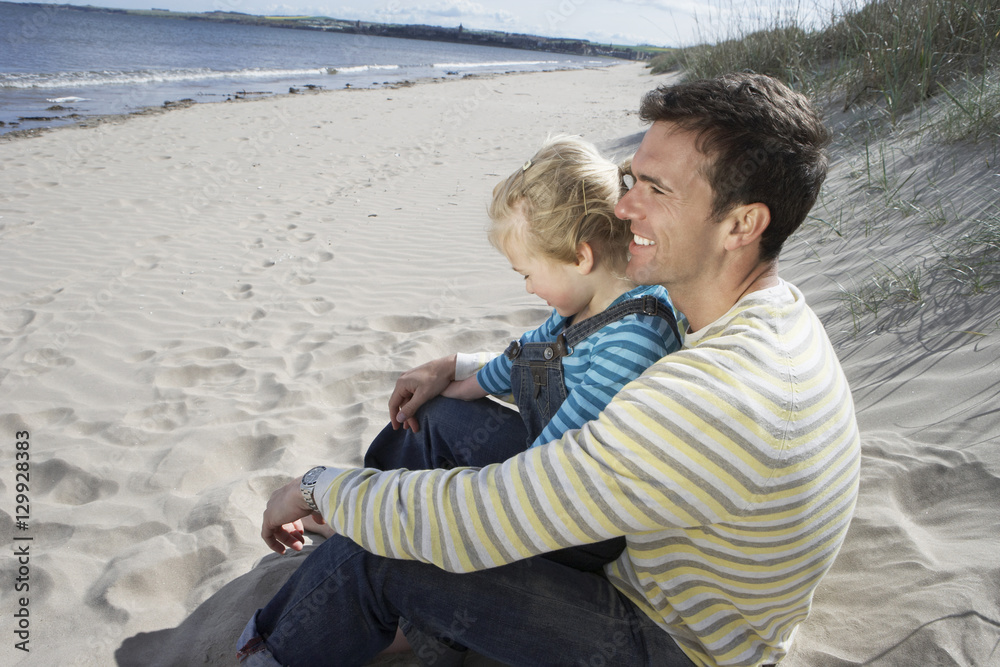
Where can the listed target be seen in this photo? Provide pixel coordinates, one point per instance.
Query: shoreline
(86, 122)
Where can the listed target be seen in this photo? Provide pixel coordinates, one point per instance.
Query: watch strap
(308, 486)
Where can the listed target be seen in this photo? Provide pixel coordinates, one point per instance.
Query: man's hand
(417, 386)
(282, 525)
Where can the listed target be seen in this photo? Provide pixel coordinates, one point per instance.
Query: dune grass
(899, 52)
(907, 73)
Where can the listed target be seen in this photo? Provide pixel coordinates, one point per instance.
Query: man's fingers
(280, 537)
(396, 401)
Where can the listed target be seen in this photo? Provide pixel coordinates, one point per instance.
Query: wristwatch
(308, 485)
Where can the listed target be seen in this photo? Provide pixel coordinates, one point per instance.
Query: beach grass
(899, 52)
(912, 88)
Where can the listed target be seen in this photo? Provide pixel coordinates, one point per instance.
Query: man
(731, 466)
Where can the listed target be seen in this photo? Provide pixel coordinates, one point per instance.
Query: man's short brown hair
(765, 144)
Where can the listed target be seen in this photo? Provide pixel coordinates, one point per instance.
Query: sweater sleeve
(591, 485)
(468, 519)
(630, 347)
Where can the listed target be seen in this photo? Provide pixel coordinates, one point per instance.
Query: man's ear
(584, 258)
(748, 223)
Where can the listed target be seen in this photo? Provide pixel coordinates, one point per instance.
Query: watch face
(311, 476)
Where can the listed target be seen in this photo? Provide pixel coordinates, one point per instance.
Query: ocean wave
(363, 68)
(506, 63)
(66, 100)
(132, 77)
(75, 79)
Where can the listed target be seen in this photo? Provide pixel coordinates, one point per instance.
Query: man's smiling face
(677, 241)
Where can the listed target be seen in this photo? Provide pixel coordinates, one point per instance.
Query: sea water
(91, 63)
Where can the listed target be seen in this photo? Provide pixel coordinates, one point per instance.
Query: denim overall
(536, 379)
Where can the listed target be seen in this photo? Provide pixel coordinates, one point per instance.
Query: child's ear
(584, 258)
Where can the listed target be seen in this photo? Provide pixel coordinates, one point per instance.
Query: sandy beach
(196, 306)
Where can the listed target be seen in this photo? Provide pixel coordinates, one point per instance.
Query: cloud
(462, 10)
(665, 5)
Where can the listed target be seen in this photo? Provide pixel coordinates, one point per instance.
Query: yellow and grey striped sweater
(731, 466)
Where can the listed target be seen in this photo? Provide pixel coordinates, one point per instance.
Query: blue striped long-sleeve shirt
(599, 365)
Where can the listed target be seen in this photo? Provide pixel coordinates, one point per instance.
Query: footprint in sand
(254, 452)
(193, 375)
(320, 257)
(156, 240)
(13, 322)
(318, 306)
(61, 482)
(350, 353)
(357, 388)
(155, 569)
(297, 278)
(300, 364)
(43, 360)
(145, 263)
(205, 353)
(240, 292)
(931, 489)
(52, 417)
(402, 324)
(162, 417)
(37, 297)
(11, 231)
(314, 341)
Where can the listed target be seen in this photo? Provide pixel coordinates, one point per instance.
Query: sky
(655, 22)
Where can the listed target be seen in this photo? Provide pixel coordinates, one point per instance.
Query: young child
(554, 220)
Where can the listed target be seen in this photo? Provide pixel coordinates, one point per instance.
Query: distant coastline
(579, 47)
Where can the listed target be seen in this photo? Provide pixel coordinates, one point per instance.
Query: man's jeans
(343, 605)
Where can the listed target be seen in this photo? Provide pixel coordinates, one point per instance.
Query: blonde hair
(567, 195)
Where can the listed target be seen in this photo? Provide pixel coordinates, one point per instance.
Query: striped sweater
(731, 466)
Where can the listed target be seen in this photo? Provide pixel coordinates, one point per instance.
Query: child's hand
(467, 389)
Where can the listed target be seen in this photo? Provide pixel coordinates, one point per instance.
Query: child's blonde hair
(567, 194)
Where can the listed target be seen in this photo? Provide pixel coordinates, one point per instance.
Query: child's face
(559, 283)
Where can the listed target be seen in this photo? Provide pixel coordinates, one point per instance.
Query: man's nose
(625, 208)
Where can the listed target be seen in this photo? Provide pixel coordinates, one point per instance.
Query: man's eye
(629, 181)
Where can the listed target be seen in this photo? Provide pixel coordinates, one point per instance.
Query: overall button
(548, 354)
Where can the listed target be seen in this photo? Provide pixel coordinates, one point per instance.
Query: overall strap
(646, 305)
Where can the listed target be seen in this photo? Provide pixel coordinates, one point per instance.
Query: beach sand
(198, 305)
